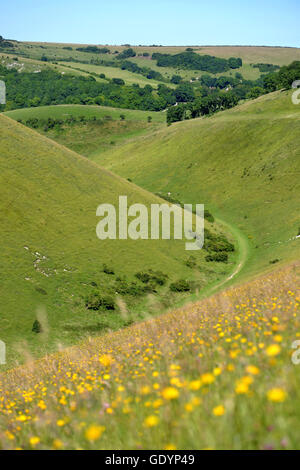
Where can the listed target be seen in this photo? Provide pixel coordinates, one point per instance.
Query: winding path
(243, 255)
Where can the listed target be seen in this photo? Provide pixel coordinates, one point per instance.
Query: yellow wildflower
(277, 395)
(151, 421)
(170, 393)
(273, 350)
(94, 432)
(219, 410)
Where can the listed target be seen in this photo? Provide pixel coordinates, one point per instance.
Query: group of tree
(50, 88)
(266, 68)
(4, 43)
(213, 97)
(94, 49)
(202, 106)
(130, 66)
(126, 54)
(193, 61)
(284, 78)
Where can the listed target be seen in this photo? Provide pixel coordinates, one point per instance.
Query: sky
(166, 22)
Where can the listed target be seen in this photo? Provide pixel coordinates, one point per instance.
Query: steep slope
(243, 163)
(51, 259)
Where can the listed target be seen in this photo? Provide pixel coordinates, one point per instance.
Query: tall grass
(216, 374)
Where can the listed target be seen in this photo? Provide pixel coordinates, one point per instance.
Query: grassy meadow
(217, 374)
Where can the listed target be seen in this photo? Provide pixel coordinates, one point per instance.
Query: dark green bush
(156, 277)
(191, 262)
(96, 301)
(40, 290)
(37, 327)
(180, 286)
(208, 216)
(125, 287)
(217, 257)
(108, 269)
(216, 243)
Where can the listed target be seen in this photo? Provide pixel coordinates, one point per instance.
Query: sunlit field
(217, 374)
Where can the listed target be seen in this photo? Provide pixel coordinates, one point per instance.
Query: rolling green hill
(66, 52)
(244, 163)
(51, 260)
(61, 111)
(102, 127)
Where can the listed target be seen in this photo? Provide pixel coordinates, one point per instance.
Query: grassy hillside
(114, 72)
(249, 54)
(62, 111)
(243, 163)
(24, 64)
(215, 375)
(102, 127)
(52, 262)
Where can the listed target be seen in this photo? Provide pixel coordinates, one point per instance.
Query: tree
(37, 327)
(175, 113)
(176, 79)
(127, 53)
(255, 92)
(118, 81)
(185, 92)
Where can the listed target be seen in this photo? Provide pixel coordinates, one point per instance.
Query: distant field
(250, 55)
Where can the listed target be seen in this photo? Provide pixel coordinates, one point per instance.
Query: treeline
(50, 88)
(266, 68)
(93, 49)
(193, 61)
(283, 78)
(145, 71)
(202, 106)
(213, 97)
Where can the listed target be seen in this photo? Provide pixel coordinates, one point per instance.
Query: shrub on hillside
(95, 301)
(181, 286)
(156, 277)
(191, 262)
(217, 257)
(217, 243)
(124, 287)
(37, 327)
(208, 216)
(108, 269)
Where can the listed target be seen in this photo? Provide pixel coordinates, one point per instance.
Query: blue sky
(167, 22)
